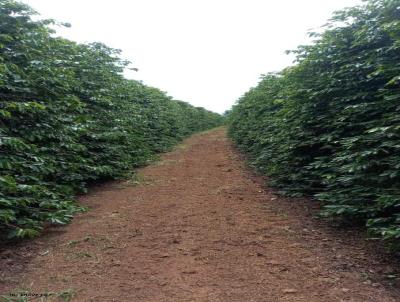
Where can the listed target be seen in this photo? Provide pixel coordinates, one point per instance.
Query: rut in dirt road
(198, 227)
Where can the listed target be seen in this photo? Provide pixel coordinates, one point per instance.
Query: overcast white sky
(205, 52)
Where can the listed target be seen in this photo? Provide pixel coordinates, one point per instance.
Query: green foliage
(68, 117)
(330, 125)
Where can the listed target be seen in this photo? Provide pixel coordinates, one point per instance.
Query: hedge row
(329, 126)
(68, 117)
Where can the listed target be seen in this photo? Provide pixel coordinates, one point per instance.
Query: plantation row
(68, 118)
(329, 126)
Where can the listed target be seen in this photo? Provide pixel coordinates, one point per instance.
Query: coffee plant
(329, 126)
(68, 117)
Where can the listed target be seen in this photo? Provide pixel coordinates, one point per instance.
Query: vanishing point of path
(197, 226)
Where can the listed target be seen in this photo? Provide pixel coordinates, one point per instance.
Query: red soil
(199, 226)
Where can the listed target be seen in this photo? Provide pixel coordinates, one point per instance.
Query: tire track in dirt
(198, 227)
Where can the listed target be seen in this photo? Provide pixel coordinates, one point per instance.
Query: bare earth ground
(199, 226)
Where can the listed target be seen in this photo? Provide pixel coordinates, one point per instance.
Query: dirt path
(198, 227)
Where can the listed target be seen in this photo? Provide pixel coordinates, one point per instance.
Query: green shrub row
(329, 126)
(68, 117)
